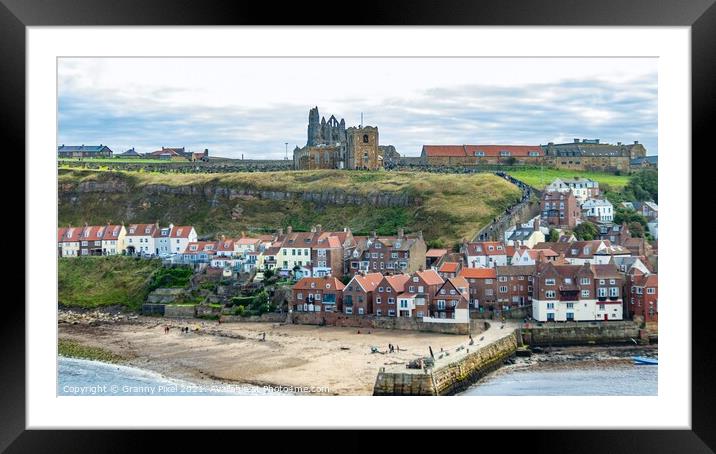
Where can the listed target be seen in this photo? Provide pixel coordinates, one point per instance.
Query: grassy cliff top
(447, 207)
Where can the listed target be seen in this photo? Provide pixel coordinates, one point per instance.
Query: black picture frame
(700, 15)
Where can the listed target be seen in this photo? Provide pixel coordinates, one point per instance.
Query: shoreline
(314, 359)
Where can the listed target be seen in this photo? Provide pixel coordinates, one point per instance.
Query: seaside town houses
(611, 277)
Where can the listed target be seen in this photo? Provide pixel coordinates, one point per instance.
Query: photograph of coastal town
(357, 226)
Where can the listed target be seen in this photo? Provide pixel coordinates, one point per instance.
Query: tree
(643, 186)
(622, 215)
(586, 231)
(636, 229)
(553, 235)
(268, 273)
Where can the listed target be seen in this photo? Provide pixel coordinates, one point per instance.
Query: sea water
(81, 377)
(613, 380)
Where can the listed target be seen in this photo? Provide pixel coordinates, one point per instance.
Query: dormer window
(131, 230)
(587, 251)
(313, 285)
(479, 154)
(179, 232)
(504, 153)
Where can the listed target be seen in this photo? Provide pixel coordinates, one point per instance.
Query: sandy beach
(333, 360)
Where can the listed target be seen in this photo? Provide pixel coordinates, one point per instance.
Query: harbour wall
(583, 333)
(450, 377)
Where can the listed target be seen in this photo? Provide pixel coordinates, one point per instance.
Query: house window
(570, 316)
(488, 292)
(601, 307)
(550, 294)
(503, 289)
(550, 317)
(441, 304)
(488, 281)
(602, 292)
(361, 311)
(378, 300)
(502, 278)
(365, 138)
(570, 305)
(549, 282)
(349, 310)
(391, 313)
(550, 305)
(421, 314)
(378, 312)
(585, 293)
(613, 291)
(651, 291)
(584, 281)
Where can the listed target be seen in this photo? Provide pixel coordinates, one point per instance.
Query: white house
(140, 238)
(485, 254)
(113, 239)
(654, 229)
(180, 238)
(583, 188)
(406, 304)
(600, 209)
(162, 241)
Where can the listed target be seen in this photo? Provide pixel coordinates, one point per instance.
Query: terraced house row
(134, 239)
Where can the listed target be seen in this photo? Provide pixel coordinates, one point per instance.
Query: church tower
(362, 148)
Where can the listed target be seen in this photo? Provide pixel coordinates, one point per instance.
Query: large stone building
(592, 155)
(331, 146)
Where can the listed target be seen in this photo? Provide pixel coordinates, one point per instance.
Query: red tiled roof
(478, 273)
(494, 150)
(397, 281)
(472, 248)
(370, 281)
(181, 231)
(436, 253)
(444, 150)
(449, 267)
(431, 277)
(140, 229)
(323, 283)
(488, 150)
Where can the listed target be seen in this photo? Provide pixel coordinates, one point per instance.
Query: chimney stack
(280, 231)
(576, 140)
(243, 234)
(372, 234)
(319, 228)
(536, 224)
(289, 229)
(636, 142)
(401, 232)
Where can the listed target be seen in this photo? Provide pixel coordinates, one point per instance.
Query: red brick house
(424, 284)
(641, 295)
(514, 285)
(359, 292)
(317, 294)
(385, 299)
(327, 256)
(482, 284)
(389, 255)
(559, 209)
(451, 300)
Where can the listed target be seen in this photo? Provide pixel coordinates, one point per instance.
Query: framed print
(366, 224)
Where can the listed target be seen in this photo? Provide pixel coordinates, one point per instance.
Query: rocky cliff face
(214, 192)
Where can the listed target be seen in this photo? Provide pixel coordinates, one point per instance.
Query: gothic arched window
(365, 138)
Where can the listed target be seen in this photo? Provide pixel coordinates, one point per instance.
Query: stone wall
(450, 378)
(265, 318)
(581, 333)
(397, 323)
(176, 311)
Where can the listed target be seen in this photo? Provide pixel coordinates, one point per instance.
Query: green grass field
(90, 282)
(447, 207)
(539, 178)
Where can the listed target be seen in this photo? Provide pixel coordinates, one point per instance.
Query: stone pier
(451, 374)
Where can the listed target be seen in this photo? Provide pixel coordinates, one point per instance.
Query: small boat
(645, 361)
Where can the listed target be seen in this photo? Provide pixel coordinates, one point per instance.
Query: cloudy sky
(252, 106)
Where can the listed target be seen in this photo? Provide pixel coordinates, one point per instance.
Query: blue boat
(645, 361)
